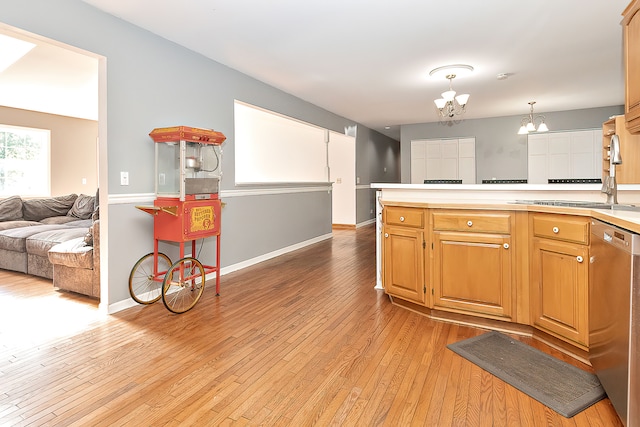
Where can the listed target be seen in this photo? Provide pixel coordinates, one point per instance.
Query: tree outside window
(24, 161)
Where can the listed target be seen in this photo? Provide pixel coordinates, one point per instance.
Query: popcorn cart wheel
(180, 285)
(187, 208)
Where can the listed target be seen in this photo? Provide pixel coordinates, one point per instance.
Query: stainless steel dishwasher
(614, 316)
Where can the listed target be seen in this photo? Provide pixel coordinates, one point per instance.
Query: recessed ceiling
(370, 61)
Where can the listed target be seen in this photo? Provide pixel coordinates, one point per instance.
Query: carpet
(556, 384)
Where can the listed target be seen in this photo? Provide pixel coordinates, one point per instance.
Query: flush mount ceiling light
(528, 123)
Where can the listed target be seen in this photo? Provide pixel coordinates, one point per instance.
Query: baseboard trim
(343, 226)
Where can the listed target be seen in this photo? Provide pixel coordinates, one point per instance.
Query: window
(272, 148)
(24, 161)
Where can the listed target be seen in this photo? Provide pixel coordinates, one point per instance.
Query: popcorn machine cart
(187, 208)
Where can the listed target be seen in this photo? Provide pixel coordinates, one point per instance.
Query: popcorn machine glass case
(185, 167)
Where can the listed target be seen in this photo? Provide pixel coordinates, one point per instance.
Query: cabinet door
(403, 260)
(559, 289)
(631, 26)
(418, 163)
(472, 273)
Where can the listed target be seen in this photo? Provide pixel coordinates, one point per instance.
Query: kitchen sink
(580, 204)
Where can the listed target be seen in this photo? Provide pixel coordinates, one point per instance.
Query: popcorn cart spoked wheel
(187, 208)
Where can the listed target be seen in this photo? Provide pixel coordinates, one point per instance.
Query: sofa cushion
(83, 207)
(82, 223)
(38, 209)
(62, 219)
(40, 243)
(11, 209)
(7, 225)
(72, 253)
(15, 239)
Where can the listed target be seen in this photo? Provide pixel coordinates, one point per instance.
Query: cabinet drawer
(470, 221)
(408, 217)
(560, 227)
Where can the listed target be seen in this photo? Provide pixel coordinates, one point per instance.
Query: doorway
(342, 172)
(60, 81)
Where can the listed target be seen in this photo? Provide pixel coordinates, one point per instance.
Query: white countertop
(503, 196)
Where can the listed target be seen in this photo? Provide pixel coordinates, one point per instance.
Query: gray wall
(377, 160)
(500, 152)
(152, 83)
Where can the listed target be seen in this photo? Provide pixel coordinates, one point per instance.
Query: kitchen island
(499, 256)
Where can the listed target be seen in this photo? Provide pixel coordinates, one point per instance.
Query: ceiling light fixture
(451, 105)
(528, 123)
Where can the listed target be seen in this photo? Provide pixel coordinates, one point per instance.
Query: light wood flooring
(302, 339)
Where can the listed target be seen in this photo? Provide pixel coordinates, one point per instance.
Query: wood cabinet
(631, 31)
(404, 253)
(629, 171)
(473, 262)
(559, 280)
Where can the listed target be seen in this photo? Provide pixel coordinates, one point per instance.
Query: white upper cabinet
(443, 159)
(564, 155)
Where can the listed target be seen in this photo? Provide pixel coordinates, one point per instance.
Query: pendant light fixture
(451, 105)
(528, 123)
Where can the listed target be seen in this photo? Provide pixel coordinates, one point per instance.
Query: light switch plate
(124, 178)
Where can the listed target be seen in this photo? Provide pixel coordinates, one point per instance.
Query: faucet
(609, 184)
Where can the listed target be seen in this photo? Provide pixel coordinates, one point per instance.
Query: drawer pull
(506, 246)
(556, 230)
(579, 258)
(386, 234)
(469, 223)
(401, 219)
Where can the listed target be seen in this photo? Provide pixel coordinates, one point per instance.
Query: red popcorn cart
(187, 208)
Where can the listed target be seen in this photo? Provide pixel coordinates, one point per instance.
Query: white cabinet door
(559, 155)
(467, 160)
(418, 164)
(433, 159)
(583, 160)
(449, 159)
(443, 159)
(537, 165)
(562, 155)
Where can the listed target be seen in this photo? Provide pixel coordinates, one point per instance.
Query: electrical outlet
(124, 178)
(84, 181)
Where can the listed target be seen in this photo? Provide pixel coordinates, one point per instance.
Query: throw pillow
(11, 209)
(38, 209)
(83, 207)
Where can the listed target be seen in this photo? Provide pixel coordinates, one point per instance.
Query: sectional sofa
(55, 238)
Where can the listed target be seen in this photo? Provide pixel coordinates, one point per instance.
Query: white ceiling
(51, 79)
(369, 60)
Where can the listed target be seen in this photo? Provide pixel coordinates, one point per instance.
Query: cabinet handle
(386, 234)
(579, 258)
(556, 230)
(469, 223)
(401, 219)
(506, 246)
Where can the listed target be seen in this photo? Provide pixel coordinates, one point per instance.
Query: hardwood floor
(302, 339)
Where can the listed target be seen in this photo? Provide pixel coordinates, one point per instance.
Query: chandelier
(528, 123)
(451, 105)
